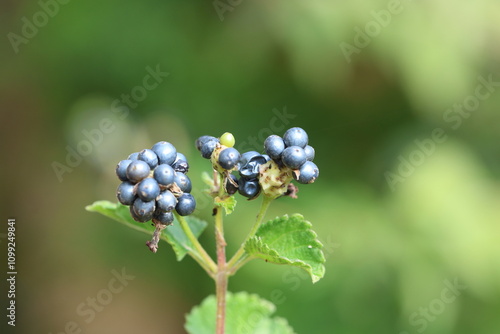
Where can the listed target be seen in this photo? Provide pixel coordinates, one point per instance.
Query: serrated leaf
(245, 314)
(289, 240)
(173, 234)
(228, 203)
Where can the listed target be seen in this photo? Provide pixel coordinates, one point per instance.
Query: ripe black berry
(228, 158)
(185, 205)
(148, 189)
(121, 169)
(293, 157)
(137, 170)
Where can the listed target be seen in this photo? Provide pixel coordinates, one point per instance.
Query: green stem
(200, 255)
(221, 276)
(240, 263)
(240, 257)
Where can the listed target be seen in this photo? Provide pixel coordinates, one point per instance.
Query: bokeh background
(393, 242)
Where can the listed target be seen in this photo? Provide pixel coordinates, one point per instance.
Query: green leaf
(289, 240)
(245, 314)
(173, 234)
(228, 203)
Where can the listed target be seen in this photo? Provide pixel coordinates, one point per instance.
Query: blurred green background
(401, 216)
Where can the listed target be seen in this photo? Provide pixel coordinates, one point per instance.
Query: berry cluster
(155, 183)
(294, 152)
(221, 151)
(286, 158)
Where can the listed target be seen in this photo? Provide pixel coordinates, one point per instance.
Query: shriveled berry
(245, 157)
(181, 166)
(249, 188)
(251, 169)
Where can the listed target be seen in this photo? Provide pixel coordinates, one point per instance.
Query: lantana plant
(155, 197)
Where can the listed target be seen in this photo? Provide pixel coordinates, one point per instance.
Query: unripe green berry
(227, 139)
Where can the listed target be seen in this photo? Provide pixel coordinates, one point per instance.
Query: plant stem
(239, 257)
(153, 244)
(221, 276)
(200, 256)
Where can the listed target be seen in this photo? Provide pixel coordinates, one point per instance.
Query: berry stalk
(221, 276)
(153, 244)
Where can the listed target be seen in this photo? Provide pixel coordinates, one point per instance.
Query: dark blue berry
(202, 140)
(249, 188)
(180, 156)
(144, 210)
(266, 157)
(165, 218)
(295, 137)
(251, 169)
(137, 170)
(149, 157)
(166, 201)
(229, 186)
(274, 146)
(309, 152)
(125, 193)
(185, 204)
(133, 156)
(293, 157)
(308, 173)
(165, 151)
(208, 147)
(121, 169)
(183, 182)
(164, 175)
(134, 215)
(148, 189)
(228, 158)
